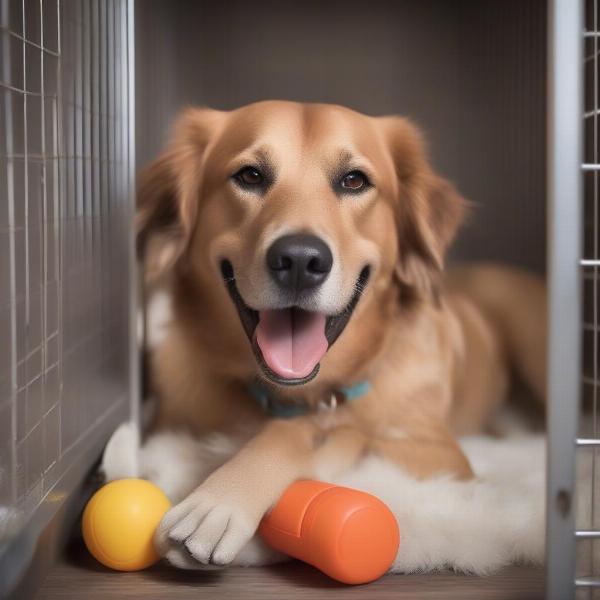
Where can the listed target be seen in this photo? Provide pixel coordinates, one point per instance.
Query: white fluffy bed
(474, 527)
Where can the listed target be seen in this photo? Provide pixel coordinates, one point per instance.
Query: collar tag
(328, 406)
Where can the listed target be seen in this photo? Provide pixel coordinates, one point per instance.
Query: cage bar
(565, 133)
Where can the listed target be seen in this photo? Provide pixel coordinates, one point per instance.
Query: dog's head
(305, 220)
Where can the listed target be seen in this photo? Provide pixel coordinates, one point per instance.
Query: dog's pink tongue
(292, 341)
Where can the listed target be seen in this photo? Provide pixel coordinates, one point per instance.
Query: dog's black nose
(299, 262)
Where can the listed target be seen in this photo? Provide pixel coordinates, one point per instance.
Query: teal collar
(281, 410)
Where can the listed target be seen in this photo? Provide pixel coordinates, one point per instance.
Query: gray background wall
(470, 72)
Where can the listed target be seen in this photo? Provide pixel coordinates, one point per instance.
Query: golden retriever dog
(304, 247)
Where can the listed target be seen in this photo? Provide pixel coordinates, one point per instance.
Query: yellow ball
(119, 523)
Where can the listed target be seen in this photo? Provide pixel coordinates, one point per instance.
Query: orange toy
(349, 535)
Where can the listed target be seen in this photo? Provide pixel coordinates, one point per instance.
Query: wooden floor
(78, 576)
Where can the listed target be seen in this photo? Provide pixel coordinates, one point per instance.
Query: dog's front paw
(204, 530)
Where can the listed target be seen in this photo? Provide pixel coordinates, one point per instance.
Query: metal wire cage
(67, 294)
(574, 262)
(588, 441)
(66, 254)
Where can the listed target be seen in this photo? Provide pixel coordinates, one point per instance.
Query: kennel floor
(77, 571)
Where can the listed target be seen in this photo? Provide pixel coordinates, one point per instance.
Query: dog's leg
(425, 456)
(340, 450)
(178, 462)
(217, 519)
(175, 461)
(419, 456)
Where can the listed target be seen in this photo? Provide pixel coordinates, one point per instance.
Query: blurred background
(472, 74)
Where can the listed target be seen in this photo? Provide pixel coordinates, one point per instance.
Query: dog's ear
(167, 196)
(429, 209)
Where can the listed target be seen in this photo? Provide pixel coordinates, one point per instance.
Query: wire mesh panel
(65, 245)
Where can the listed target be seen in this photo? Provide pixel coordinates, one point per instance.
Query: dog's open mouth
(289, 343)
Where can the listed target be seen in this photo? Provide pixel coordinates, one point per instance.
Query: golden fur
(438, 351)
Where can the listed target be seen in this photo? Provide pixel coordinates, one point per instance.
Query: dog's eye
(354, 181)
(249, 176)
